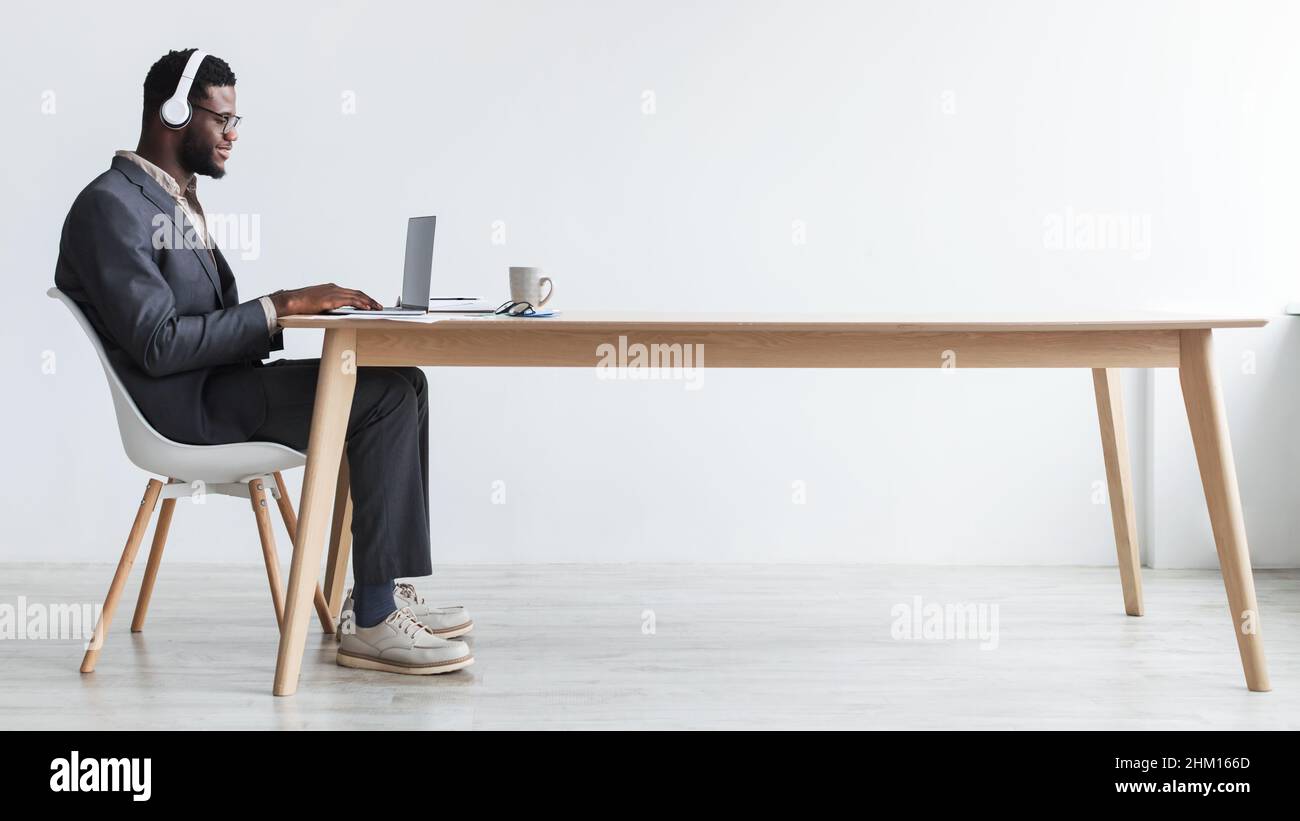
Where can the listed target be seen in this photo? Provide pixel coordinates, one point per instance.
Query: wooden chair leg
(141, 524)
(291, 527)
(257, 497)
(1119, 483)
(160, 529)
(336, 565)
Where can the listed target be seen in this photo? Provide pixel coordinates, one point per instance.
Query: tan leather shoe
(401, 644)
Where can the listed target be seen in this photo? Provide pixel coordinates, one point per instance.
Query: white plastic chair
(244, 469)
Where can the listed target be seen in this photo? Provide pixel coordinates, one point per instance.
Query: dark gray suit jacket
(188, 351)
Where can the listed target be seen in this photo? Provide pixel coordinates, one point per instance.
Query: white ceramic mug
(526, 286)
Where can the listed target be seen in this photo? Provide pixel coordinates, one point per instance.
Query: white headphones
(176, 112)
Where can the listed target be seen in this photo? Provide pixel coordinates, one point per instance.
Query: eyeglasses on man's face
(229, 122)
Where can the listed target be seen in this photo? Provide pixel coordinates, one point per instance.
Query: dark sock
(372, 603)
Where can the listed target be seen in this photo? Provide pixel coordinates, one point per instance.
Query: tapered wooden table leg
(1209, 424)
(336, 564)
(1119, 483)
(334, 388)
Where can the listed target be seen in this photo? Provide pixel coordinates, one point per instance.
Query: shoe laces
(405, 622)
(407, 591)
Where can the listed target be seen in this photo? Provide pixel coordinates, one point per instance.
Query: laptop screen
(419, 262)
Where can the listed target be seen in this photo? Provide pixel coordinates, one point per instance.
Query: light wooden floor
(735, 646)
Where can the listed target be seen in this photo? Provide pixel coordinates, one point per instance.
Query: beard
(197, 157)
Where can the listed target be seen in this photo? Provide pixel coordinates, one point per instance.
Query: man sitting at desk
(190, 354)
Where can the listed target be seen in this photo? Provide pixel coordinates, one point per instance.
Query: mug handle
(550, 289)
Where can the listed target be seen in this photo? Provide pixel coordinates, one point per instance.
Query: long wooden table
(1103, 344)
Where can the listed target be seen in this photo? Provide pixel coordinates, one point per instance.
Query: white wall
(925, 148)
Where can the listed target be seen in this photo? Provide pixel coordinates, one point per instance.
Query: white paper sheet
(425, 318)
(390, 317)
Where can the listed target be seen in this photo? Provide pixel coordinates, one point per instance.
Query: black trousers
(388, 459)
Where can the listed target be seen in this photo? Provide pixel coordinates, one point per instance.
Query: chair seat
(238, 462)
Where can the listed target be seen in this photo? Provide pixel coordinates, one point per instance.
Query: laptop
(416, 279)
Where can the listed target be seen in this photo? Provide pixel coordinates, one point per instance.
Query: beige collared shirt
(188, 200)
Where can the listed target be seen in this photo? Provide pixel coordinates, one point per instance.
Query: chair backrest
(142, 443)
(236, 462)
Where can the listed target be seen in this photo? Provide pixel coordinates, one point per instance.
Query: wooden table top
(877, 322)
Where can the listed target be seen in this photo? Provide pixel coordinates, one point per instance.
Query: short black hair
(160, 82)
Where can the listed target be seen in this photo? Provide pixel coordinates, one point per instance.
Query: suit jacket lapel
(171, 210)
